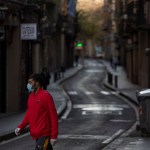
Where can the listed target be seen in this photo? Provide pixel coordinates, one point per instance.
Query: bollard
(63, 69)
(58, 74)
(110, 81)
(116, 81)
(55, 76)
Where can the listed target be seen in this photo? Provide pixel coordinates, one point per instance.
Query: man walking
(41, 115)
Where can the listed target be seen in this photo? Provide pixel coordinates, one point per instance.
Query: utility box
(144, 111)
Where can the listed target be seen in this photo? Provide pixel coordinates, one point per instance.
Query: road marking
(83, 112)
(125, 121)
(75, 93)
(94, 65)
(83, 137)
(100, 108)
(94, 71)
(105, 92)
(89, 92)
(114, 93)
(108, 93)
(113, 136)
(72, 93)
(69, 106)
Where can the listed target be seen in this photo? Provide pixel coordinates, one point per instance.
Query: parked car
(100, 55)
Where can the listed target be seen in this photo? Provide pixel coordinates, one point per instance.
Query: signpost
(29, 31)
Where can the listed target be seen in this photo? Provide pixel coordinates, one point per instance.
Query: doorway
(2, 76)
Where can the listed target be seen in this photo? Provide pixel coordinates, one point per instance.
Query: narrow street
(97, 116)
(93, 57)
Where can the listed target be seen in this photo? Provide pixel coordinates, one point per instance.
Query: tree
(91, 24)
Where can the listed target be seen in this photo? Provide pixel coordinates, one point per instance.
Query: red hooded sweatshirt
(41, 115)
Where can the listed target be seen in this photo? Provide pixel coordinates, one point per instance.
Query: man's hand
(17, 131)
(53, 141)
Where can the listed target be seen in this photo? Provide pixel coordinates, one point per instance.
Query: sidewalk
(125, 87)
(130, 140)
(8, 122)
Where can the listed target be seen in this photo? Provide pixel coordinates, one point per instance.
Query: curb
(66, 78)
(64, 107)
(11, 135)
(119, 140)
(107, 85)
(129, 98)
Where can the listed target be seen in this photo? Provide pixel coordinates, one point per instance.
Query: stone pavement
(8, 122)
(130, 140)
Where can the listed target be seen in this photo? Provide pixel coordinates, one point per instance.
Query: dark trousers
(43, 143)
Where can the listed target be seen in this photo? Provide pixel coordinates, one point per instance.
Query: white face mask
(29, 87)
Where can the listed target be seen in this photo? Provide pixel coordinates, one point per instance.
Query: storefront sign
(29, 31)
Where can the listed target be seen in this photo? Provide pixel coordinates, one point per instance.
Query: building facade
(134, 35)
(31, 37)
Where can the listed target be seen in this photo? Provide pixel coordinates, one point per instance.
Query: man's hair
(37, 78)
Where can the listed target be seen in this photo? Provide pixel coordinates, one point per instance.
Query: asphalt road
(96, 118)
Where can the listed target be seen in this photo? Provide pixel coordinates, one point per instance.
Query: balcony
(141, 18)
(138, 16)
